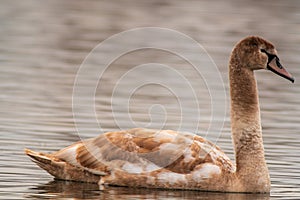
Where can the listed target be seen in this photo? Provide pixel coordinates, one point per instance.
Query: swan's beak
(275, 66)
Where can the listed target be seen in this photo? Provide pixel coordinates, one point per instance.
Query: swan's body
(167, 159)
(144, 158)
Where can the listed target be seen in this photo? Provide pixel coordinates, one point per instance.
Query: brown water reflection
(43, 43)
(63, 189)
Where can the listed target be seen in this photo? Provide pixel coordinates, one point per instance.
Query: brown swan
(178, 160)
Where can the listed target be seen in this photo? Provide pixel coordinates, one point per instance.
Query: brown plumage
(178, 160)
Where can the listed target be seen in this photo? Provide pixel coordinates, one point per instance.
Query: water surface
(42, 45)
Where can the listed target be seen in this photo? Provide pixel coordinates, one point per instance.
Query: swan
(168, 159)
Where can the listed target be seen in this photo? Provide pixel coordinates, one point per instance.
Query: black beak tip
(292, 79)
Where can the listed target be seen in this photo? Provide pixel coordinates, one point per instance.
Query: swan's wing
(144, 150)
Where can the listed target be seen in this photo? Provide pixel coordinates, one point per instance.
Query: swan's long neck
(246, 128)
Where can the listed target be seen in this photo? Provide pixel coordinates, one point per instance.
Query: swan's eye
(263, 51)
(270, 56)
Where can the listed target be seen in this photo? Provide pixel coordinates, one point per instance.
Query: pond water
(43, 44)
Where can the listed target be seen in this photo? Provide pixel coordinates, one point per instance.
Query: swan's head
(257, 53)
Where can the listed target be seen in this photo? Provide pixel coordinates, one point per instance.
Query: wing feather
(141, 150)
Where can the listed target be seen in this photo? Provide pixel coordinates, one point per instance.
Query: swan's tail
(61, 169)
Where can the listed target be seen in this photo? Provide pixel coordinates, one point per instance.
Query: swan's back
(164, 158)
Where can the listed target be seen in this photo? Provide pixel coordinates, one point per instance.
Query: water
(43, 44)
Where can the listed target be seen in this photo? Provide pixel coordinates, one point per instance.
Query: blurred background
(43, 43)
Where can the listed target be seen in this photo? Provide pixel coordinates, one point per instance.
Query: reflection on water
(65, 189)
(42, 45)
